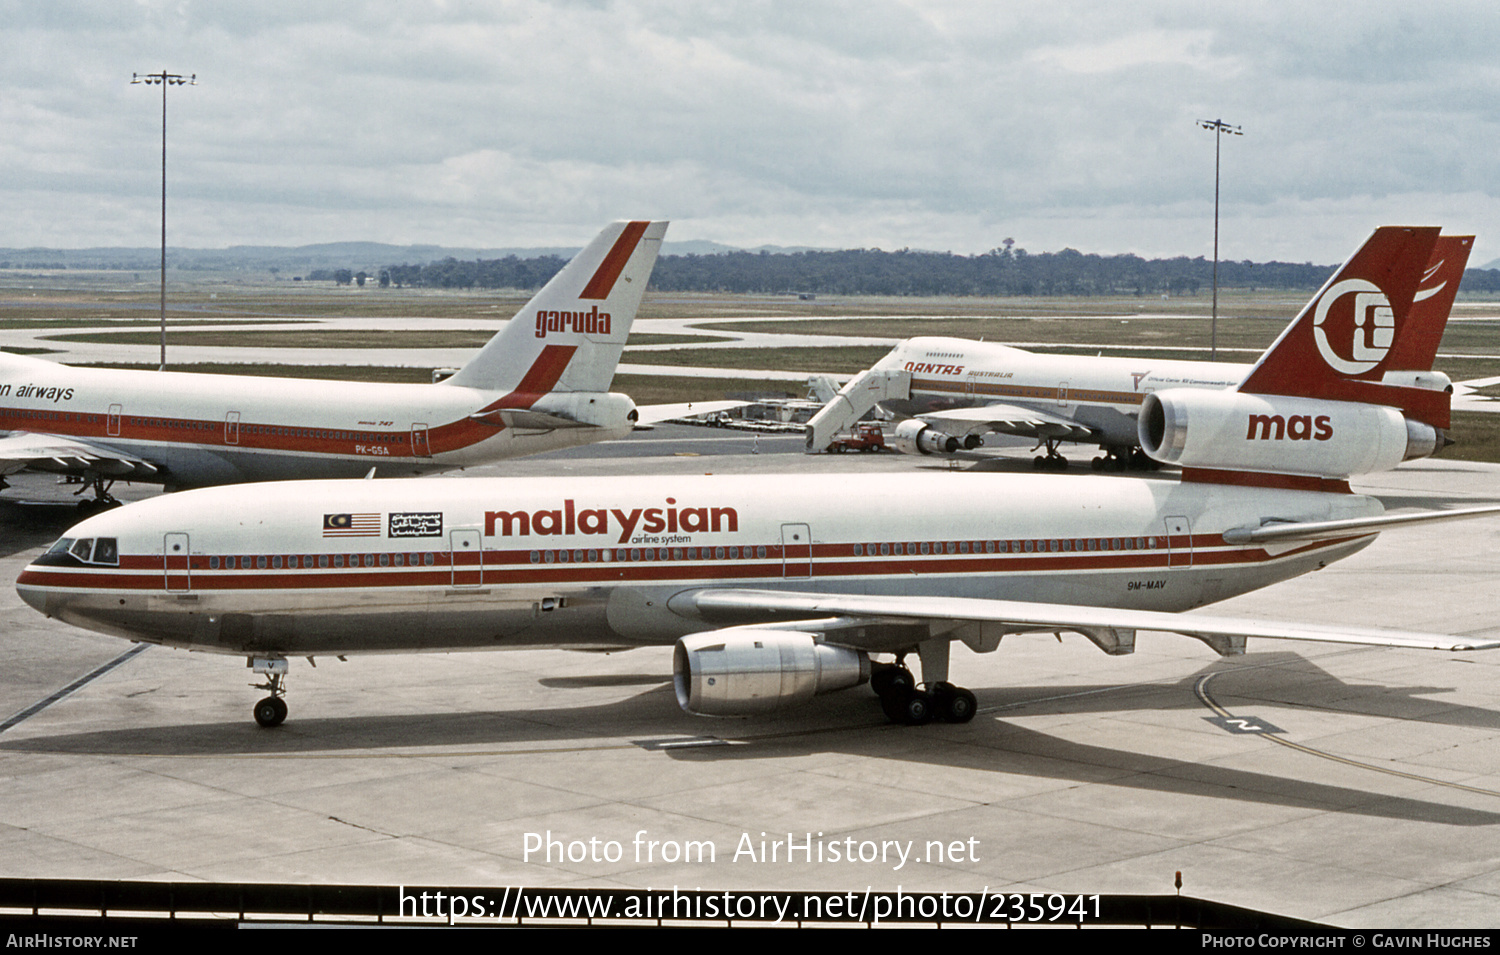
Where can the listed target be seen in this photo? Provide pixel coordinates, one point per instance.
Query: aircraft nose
(35, 596)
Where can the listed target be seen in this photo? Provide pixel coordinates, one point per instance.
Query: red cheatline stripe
(1288, 482)
(322, 440)
(519, 570)
(1019, 391)
(614, 263)
(1046, 549)
(540, 378)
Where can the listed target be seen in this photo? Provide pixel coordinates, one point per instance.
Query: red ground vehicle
(866, 436)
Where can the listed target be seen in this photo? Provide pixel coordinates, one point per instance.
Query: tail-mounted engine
(744, 672)
(915, 436)
(1233, 430)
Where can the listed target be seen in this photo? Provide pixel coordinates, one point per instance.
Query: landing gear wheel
(892, 702)
(270, 711)
(885, 677)
(954, 703)
(908, 706)
(102, 500)
(917, 708)
(1051, 461)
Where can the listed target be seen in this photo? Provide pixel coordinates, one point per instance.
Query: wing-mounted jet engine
(915, 436)
(747, 671)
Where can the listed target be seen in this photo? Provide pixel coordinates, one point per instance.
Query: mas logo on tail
(1370, 333)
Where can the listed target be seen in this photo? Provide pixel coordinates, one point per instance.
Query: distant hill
(702, 266)
(299, 260)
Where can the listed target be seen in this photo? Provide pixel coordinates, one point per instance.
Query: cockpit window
(84, 550)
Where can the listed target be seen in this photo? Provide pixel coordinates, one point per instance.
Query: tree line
(1005, 271)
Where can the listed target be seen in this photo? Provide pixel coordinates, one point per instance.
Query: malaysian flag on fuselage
(351, 525)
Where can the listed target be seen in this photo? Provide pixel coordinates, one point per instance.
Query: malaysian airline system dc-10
(775, 589)
(541, 383)
(950, 392)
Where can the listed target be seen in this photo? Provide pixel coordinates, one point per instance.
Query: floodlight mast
(1220, 129)
(164, 80)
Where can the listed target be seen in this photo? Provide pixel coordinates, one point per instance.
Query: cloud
(925, 124)
(1189, 48)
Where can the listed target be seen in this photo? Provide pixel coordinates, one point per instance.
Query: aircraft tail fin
(1342, 343)
(569, 337)
(1415, 349)
(1330, 399)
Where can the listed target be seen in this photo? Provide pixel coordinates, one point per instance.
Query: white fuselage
(1104, 394)
(203, 430)
(440, 564)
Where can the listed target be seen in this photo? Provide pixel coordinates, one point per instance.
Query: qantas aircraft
(952, 391)
(541, 383)
(776, 589)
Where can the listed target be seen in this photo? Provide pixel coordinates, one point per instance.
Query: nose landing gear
(272, 710)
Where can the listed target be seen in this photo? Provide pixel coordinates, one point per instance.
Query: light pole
(164, 80)
(1220, 130)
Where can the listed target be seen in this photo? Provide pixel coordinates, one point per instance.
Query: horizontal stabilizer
(655, 414)
(1287, 531)
(526, 419)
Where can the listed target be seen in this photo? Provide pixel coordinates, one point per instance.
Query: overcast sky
(944, 125)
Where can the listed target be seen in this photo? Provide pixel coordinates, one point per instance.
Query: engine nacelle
(744, 672)
(1286, 435)
(1428, 380)
(589, 408)
(914, 436)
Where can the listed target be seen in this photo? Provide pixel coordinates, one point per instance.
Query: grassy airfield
(1249, 321)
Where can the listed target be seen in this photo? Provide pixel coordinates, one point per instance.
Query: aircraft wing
(655, 414)
(22, 450)
(855, 613)
(1007, 419)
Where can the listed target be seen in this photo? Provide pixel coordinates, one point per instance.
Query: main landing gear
(903, 701)
(102, 500)
(1124, 459)
(1052, 460)
(271, 711)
